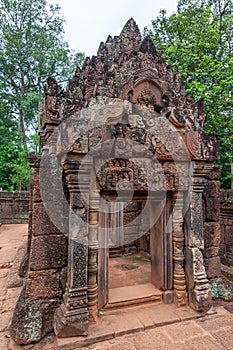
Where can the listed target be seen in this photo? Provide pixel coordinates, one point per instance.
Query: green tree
(31, 49)
(198, 42)
(14, 168)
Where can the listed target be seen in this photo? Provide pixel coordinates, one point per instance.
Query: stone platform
(149, 327)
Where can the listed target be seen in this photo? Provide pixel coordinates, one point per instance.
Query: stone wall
(226, 221)
(211, 223)
(44, 267)
(14, 207)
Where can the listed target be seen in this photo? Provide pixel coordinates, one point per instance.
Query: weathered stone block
(43, 285)
(194, 265)
(32, 320)
(230, 220)
(211, 252)
(212, 234)
(41, 223)
(63, 279)
(213, 267)
(214, 174)
(201, 301)
(36, 186)
(48, 252)
(168, 297)
(223, 248)
(212, 209)
(230, 249)
(70, 326)
(212, 189)
(229, 235)
(14, 207)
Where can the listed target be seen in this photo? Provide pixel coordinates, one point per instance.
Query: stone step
(133, 295)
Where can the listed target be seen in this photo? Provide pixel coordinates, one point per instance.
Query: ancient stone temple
(126, 172)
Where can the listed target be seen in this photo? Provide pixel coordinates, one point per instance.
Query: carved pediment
(128, 82)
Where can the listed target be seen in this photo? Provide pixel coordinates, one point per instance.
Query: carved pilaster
(198, 286)
(71, 319)
(92, 256)
(180, 295)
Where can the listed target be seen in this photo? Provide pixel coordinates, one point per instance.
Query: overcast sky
(89, 22)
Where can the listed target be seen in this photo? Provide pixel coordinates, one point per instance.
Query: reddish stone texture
(43, 285)
(36, 186)
(32, 319)
(212, 209)
(211, 252)
(41, 223)
(126, 68)
(214, 174)
(212, 234)
(48, 252)
(211, 200)
(212, 189)
(226, 220)
(14, 207)
(213, 266)
(212, 223)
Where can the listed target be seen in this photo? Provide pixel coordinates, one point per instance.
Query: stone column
(92, 256)
(198, 286)
(211, 211)
(71, 318)
(180, 295)
(34, 163)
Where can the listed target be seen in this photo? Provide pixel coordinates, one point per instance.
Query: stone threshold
(130, 320)
(133, 295)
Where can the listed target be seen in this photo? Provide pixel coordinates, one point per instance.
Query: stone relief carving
(138, 175)
(193, 144)
(54, 98)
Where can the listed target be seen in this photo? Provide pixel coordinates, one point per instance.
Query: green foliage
(32, 48)
(198, 42)
(218, 290)
(14, 168)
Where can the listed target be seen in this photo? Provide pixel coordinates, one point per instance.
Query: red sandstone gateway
(118, 208)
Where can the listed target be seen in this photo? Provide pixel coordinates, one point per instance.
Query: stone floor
(154, 328)
(128, 271)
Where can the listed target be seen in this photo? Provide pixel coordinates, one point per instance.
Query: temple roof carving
(128, 67)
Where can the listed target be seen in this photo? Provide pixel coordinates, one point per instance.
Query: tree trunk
(22, 127)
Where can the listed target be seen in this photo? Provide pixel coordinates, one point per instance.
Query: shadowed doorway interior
(133, 266)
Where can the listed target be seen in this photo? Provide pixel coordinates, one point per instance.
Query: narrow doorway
(132, 265)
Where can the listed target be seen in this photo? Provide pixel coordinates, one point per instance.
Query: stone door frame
(160, 249)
